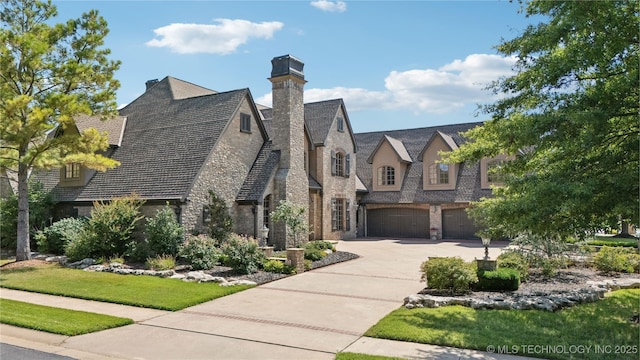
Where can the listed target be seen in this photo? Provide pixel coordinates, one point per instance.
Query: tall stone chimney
(287, 131)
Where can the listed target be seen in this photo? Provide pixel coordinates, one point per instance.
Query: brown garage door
(457, 225)
(402, 223)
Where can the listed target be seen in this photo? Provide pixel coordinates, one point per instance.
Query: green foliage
(220, 225)
(501, 279)
(617, 259)
(569, 117)
(79, 247)
(200, 252)
(242, 254)
(514, 260)
(111, 225)
(449, 273)
(164, 233)
(614, 242)
(321, 245)
(52, 74)
(40, 205)
(52, 240)
(540, 251)
(313, 254)
(293, 217)
(56, 320)
(277, 266)
(159, 263)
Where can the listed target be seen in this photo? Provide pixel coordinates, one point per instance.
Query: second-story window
(340, 122)
(245, 123)
(494, 171)
(386, 175)
(438, 174)
(340, 163)
(72, 171)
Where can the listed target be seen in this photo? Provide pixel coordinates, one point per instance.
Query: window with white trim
(72, 171)
(438, 174)
(386, 175)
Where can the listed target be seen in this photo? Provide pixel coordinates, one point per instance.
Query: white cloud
(330, 6)
(443, 90)
(222, 38)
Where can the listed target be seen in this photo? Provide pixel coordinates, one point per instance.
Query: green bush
(450, 273)
(79, 247)
(220, 223)
(53, 239)
(277, 266)
(111, 226)
(614, 242)
(501, 279)
(200, 252)
(313, 254)
(242, 254)
(159, 263)
(617, 259)
(321, 245)
(514, 260)
(164, 233)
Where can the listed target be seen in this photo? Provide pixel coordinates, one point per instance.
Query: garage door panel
(456, 224)
(398, 222)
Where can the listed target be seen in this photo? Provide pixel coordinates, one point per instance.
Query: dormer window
(72, 171)
(494, 171)
(340, 124)
(245, 123)
(386, 175)
(438, 174)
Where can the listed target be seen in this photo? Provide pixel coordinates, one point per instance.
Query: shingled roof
(113, 127)
(262, 171)
(167, 140)
(414, 140)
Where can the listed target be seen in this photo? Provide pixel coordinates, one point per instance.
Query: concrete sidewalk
(312, 315)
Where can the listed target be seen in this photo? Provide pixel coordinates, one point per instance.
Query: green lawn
(56, 320)
(553, 335)
(143, 291)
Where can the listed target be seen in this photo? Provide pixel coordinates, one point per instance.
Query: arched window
(340, 163)
(494, 171)
(386, 175)
(438, 174)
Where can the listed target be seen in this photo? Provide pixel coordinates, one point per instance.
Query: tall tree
(49, 74)
(570, 117)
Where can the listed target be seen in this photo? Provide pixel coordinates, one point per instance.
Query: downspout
(254, 211)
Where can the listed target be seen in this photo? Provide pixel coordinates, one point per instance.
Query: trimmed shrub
(313, 254)
(320, 245)
(514, 260)
(501, 279)
(450, 273)
(277, 266)
(52, 240)
(164, 233)
(242, 254)
(79, 247)
(617, 259)
(200, 252)
(159, 263)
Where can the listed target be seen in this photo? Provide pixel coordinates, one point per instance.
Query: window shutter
(348, 215)
(334, 218)
(333, 163)
(347, 165)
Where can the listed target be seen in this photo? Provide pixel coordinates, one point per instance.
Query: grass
(356, 356)
(609, 241)
(603, 323)
(142, 291)
(56, 320)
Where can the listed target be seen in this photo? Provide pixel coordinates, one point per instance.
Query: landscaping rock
(57, 259)
(238, 282)
(82, 263)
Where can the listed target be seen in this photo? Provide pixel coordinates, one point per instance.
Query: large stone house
(178, 141)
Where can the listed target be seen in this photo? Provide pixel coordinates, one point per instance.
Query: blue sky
(396, 64)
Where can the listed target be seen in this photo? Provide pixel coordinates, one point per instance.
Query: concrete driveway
(308, 316)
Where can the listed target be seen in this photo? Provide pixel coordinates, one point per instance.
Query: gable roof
(396, 145)
(261, 173)
(113, 127)
(468, 187)
(446, 138)
(166, 142)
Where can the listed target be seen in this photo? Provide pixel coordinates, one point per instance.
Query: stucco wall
(430, 156)
(386, 156)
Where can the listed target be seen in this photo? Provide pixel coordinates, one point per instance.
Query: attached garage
(457, 225)
(398, 223)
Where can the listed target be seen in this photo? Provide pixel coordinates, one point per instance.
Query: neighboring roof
(114, 127)
(468, 183)
(396, 145)
(181, 89)
(360, 185)
(166, 142)
(261, 173)
(314, 184)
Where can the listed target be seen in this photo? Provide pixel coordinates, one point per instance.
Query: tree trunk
(23, 249)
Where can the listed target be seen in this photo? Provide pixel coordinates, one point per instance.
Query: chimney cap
(287, 65)
(150, 83)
